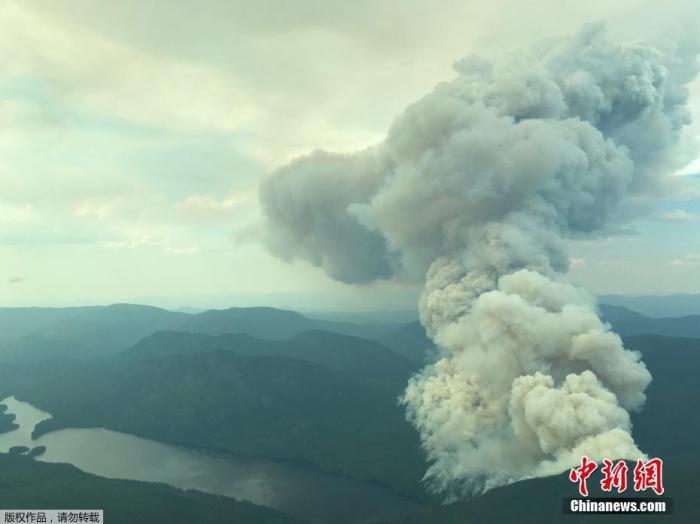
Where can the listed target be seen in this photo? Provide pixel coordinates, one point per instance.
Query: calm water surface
(299, 490)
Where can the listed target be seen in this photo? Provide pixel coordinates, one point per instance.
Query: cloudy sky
(133, 136)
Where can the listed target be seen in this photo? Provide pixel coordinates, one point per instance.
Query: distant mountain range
(676, 305)
(627, 322)
(32, 334)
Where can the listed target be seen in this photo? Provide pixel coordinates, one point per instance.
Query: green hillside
(356, 357)
(28, 484)
(197, 391)
(262, 406)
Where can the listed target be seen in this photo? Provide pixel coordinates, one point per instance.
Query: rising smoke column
(474, 190)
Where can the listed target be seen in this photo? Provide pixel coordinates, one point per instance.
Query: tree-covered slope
(7, 420)
(297, 409)
(263, 406)
(28, 484)
(356, 357)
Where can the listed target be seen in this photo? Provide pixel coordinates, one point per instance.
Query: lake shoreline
(227, 454)
(292, 486)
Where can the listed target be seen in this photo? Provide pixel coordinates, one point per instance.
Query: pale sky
(133, 136)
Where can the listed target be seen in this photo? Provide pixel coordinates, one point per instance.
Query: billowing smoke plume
(474, 189)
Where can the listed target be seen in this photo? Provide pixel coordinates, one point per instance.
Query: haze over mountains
(36, 333)
(674, 305)
(628, 322)
(28, 334)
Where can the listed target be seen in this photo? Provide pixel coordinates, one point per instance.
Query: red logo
(647, 475)
(614, 476)
(582, 473)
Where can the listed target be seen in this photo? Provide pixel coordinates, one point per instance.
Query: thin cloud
(678, 215)
(577, 263)
(690, 260)
(171, 250)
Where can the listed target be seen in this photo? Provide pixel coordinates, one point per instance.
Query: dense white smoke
(474, 189)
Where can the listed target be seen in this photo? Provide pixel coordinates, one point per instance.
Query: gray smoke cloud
(473, 190)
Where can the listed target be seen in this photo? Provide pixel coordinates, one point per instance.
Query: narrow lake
(299, 490)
